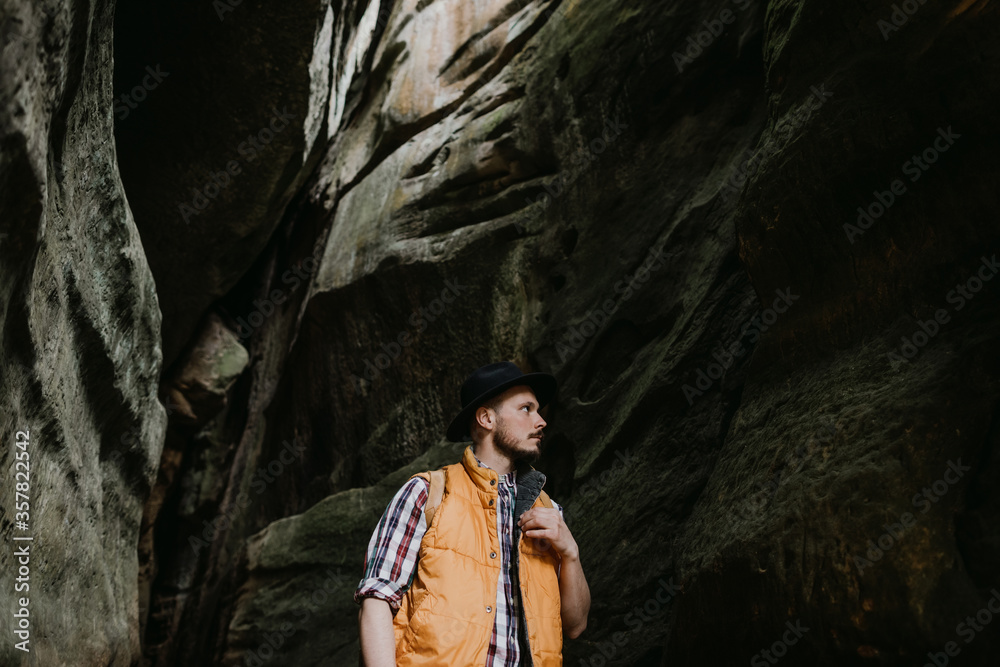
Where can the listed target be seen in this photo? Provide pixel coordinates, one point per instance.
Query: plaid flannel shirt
(393, 552)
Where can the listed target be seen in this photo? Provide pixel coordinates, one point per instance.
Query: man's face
(518, 434)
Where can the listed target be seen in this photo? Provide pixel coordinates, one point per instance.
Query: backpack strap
(546, 501)
(434, 497)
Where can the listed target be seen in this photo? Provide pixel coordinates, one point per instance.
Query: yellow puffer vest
(446, 616)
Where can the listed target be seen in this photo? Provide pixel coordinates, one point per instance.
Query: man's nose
(541, 422)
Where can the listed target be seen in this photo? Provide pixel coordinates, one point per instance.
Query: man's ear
(485, 412)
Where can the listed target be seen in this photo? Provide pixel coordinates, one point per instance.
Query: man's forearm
(378, 641)
(575, 594)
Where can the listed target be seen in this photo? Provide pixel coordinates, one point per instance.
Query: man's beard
(507, 445)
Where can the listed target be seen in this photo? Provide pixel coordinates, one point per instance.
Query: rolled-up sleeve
(394, 547)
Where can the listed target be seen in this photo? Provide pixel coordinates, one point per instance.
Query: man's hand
(547, 525)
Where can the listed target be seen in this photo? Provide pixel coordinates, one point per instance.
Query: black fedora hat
(490, 380)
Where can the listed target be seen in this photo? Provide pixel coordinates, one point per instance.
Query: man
(495, 580)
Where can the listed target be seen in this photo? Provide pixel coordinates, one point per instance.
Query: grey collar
(529, 483)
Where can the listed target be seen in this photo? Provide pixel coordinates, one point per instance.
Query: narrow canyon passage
(250, 252)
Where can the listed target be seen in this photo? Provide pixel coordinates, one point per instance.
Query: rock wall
(753, 241)
(80, 347)
(851, 492)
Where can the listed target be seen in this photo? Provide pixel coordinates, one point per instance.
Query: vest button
(491, 501)
(489, 609)
(493, 482)
(493, 554)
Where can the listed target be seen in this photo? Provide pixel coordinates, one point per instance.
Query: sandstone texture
(79, 342)
(754, 241)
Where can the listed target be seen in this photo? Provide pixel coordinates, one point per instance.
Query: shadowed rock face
(79, 344)
(220, 114)
(776, 424)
